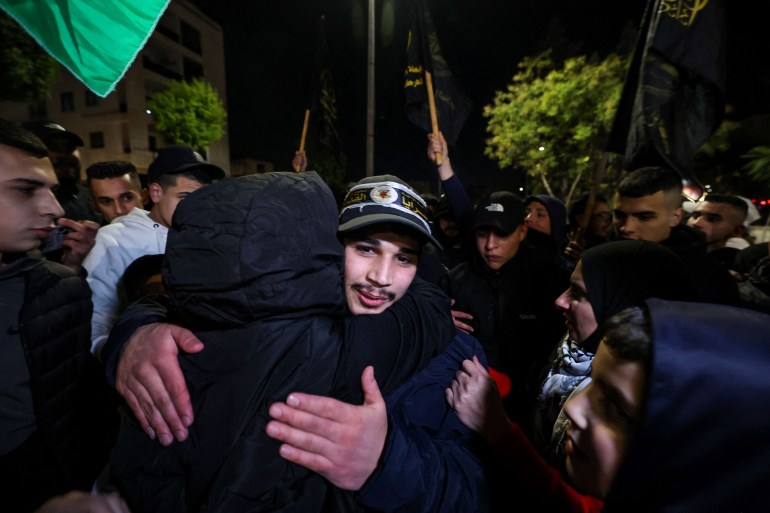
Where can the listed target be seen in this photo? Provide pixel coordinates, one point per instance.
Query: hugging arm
(141, 359)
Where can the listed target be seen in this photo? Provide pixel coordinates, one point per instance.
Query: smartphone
(56, 240)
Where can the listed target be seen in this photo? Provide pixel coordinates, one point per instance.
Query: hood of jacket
(558, 214)
(703, 443)
(253, 247)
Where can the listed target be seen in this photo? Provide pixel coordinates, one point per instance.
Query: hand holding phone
(56, 240)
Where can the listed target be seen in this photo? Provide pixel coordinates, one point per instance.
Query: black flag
(673, 98)
(323, 105)
(424, 54)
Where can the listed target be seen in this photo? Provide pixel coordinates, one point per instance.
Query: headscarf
(624, 273)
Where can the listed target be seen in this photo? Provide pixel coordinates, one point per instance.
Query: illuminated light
(521, 189)
(148, 111)
(542, 148)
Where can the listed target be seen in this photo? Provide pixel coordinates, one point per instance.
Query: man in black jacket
(272, 269)
(648, 206)
(505, 297)
(56, 419)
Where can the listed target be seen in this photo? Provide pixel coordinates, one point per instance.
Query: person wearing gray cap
(175, 173)
(255, 238)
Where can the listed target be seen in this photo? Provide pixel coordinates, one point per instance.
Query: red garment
(540, 483)
(502, 380)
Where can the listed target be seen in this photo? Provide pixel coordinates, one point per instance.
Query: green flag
(97, 40)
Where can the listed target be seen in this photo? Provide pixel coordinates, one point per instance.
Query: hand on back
(340, 441)
(150, 379)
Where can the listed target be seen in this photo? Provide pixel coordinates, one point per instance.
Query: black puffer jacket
(254, 266)
(75, 410)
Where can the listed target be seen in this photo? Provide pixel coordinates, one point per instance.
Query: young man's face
(27, 201)
(603, 419)
(495, 248)
(115, 197)
(576, 307)
(718, 222)
(601, 220)
(538, 217)
(166, 200)
(649, 217)
(378, 270)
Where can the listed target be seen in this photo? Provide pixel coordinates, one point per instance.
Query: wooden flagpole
(304, 135)
(432, 106)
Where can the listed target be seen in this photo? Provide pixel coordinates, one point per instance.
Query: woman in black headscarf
(607, 279)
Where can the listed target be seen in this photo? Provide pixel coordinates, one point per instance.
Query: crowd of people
(194, 342)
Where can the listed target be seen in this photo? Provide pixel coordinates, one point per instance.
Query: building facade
(185, 44)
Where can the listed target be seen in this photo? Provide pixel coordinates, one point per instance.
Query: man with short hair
(176, 172)
(720, 217)
(63, 150)
(648, 206)
(56, 421)
(383, 225)
(115, 188)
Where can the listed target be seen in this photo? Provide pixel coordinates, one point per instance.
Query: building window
(96, 139)
(191, 38)
(192, 69)
(91, 99)
(67, 102)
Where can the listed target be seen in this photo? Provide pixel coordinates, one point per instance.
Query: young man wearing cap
(115, 188)
(504, 296)
(176, 172)
(383, 225)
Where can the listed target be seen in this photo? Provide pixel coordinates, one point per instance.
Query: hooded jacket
(253, 266)
(702, 444)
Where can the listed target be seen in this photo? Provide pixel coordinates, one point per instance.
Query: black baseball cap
(385, 199)
(180, 158)
(47, 130)
(502, 210)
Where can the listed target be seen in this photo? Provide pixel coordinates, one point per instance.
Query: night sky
(270, 47)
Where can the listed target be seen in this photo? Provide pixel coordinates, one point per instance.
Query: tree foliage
(27, 72)
(553, 120)
(758, 164)
(189, 113)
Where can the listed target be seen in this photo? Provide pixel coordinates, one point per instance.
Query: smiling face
(603, 419)
(379, 268)
(27, 202)
(576, 307)
(496, 248)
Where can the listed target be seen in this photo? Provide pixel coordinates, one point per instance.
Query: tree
(27, 72)
(554, 121)
(189, 113)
